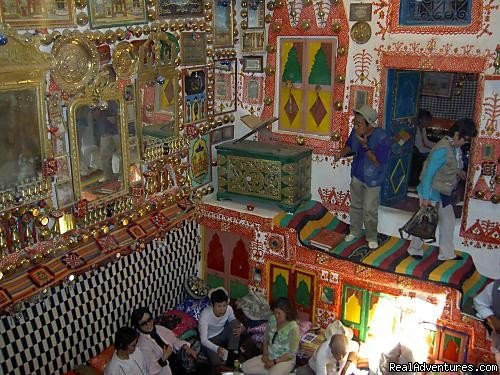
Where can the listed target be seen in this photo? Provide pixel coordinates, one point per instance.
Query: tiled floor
(390, 220)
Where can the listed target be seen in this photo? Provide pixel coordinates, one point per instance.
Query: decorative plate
(125, 60)
(77, 62)
(361, 32)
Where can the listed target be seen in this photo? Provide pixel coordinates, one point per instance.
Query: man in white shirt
(487, 305)
(336, 356)
(219, 329)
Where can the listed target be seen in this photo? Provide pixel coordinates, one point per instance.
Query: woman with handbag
(440, 175)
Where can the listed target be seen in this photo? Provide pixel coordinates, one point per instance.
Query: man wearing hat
(336, 356)
(371, 147)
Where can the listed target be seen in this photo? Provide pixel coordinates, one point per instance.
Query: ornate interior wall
(67, 324)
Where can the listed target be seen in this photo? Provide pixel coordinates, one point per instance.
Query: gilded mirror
(23, 139)
(99, 146)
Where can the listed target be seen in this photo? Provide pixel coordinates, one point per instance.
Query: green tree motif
(280, 287)
(303, 296)
(320, 72)
(292, 71)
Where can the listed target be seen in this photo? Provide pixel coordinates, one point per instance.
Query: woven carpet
(390, 256)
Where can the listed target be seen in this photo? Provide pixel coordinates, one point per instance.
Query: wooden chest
(267, 171)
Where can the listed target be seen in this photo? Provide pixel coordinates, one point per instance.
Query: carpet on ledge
(390, 256)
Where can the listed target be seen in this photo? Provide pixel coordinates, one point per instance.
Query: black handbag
(422, 224)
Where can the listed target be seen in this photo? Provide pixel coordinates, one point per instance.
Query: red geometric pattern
(107, 243)
(318, 110)
(484, 231)
(291, 108)
(41, 276)
(160, 220)
(72, 260)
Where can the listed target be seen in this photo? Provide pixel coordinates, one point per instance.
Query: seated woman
(336, 356)
(157, 343)
(280, 344)
(126, 358)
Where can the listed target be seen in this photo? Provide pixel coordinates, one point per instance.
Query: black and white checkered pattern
(75, 322)
(456, 106)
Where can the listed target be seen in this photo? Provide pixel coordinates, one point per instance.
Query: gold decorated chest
(276, 172)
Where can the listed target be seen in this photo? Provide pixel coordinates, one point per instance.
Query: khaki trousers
(255, 366)
(364, 209)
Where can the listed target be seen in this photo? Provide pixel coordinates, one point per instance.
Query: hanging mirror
(99, 146)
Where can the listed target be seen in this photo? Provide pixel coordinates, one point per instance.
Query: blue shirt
(362, 168)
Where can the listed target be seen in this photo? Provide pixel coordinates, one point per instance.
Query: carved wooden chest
(267, 171)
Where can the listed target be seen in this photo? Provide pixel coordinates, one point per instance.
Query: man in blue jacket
(372, 147)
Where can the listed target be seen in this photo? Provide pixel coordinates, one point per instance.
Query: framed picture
(169, 8)
(109, 13)
(437, 84)
(253, 64)
(195, 96)
(360, 12)
(225, 81)
(223, 24)
(488, 151)
(253, 41)
(253, 89)
(359, 96)
(200, 161)
(42, 13)
(327, 294)
(194, 48)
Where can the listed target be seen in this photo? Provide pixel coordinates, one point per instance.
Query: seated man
(487, 305)
(336, 356)
(219, 329)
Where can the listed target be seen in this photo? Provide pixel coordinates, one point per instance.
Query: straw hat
(337, 328)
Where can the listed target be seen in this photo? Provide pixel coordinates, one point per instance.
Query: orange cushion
(100, 361)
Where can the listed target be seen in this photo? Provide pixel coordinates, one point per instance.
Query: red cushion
(177, 321)
(100, 361)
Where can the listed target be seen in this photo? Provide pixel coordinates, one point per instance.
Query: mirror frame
(24, 67)
(108, 95)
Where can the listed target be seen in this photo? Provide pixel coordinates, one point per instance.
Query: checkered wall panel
(456, 106)
(75, 322)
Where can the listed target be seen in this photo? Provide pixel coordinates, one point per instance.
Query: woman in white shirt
(127, 359)
(157, 343)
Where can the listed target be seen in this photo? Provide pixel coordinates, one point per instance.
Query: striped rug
(390, 256)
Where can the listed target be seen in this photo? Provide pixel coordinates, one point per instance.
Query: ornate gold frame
(102, 91)
(23, 68)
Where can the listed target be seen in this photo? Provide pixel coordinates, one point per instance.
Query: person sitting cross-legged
(219, 329)
(281, 343)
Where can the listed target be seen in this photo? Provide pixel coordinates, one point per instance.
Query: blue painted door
(402, 102)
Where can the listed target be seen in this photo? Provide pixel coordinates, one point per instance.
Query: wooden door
(402, 102)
